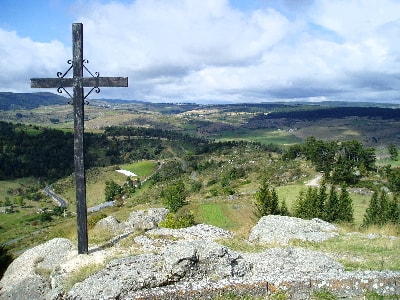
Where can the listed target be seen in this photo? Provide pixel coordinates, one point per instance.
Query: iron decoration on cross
(78, 83)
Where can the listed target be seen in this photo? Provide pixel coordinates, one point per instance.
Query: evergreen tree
(128, 187)
(394, 210)
(383, 205)
(312, 199)
(322, 198)
(394, 153)
(263, 199)
(304, 206)
(345, 213)
(274, 210)
(332, 205)
(371, 215)
(267, 201)
(284, 211)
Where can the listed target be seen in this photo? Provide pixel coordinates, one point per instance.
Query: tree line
(46, 153)
(317, 113)
(340, 162)
(332, 205)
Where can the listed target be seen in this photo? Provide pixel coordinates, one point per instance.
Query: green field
(263, 136)
(143, 168)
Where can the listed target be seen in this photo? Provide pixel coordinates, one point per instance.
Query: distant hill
(9, 101)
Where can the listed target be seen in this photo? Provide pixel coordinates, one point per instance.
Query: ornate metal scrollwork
(61, 89)
(95, 88)
(60, 74)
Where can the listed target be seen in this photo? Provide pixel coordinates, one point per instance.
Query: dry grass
(81, 274)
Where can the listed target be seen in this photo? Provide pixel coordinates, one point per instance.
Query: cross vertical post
(78, 82)
(79, 161)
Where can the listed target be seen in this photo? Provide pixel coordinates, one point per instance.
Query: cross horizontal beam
(85, 81)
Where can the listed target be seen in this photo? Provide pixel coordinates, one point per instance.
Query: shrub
(93, 219)
(175, 222)
(174, 196)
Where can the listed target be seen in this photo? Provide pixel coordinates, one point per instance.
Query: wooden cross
(78, 82)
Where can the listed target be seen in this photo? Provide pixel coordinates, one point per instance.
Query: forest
(317, 113)
(48, 153)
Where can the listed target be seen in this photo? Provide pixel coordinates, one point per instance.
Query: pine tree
(332, 205)
(263, 197)
(304, 206)
(274, 209)
(267, 201)
(372, 213)
(321, 201)
(284, 211)
(311, 202)
(299, 209)
(345, 213)
(394, 210)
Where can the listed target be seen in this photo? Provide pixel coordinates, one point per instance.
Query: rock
(146, 219)
(28, 276)
(200, 231)
(274, 229)
(183, 261)
(188, 264)
(120, 277)
(285, 264)
(203, 259)
(110, 224)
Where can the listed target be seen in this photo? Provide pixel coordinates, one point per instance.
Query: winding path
(315, 181)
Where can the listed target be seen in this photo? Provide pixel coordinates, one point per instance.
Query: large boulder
(196, 232)
(146, 219)
(181, 262)
(28, 276)
(203, 259)
(110, 224)
(280, 230)
(285, 264)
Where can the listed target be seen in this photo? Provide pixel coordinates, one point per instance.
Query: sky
(211, 51)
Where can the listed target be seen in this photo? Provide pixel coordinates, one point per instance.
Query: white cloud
(22, 58)
(181, 50)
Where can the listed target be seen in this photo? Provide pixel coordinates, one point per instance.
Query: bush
(174, 196)
(93, 219)
(175, 222)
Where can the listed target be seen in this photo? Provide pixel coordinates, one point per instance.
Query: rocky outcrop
(282, 229)
(146, 219)
(26, 277)
(189, 264)
(185, 261)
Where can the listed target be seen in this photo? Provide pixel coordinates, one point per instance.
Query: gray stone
(110, 224)
(146, 219)
(188, 264)
(284, 264)
(28, 276)
(121, 277)
(200, 231)
(282, 229)
(200, 259)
